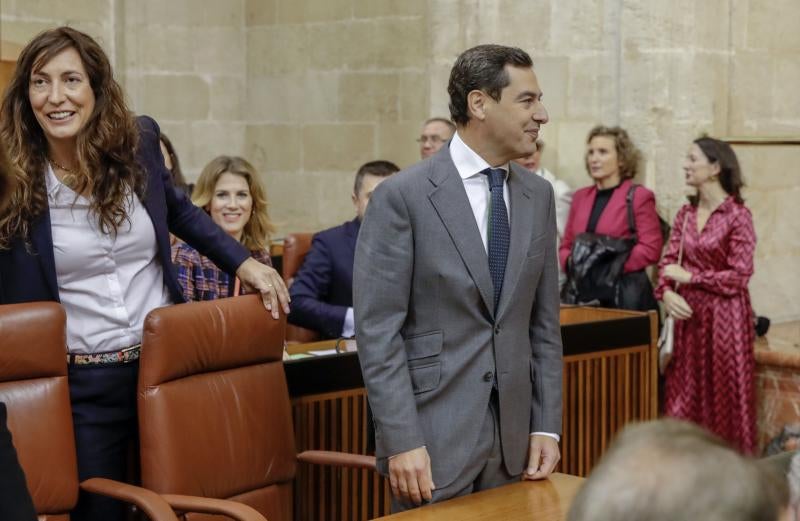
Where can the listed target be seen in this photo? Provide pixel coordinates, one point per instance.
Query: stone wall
(331, 85)
(310, 89)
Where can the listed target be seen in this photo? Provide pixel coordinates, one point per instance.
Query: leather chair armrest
(337, 459)
(152, 504)
(205, 505)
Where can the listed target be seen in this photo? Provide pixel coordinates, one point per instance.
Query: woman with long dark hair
(711, 377)
(88, 227)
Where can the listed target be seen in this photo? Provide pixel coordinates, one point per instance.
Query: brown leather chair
(33, 385)
(295, 248)
(214, 412)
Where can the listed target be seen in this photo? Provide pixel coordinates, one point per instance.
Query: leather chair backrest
(33, 385)
(295, 248)
(214, 412)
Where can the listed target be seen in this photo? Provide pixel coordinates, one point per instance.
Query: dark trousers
(15, 501)
(104, 415)
(485, 469)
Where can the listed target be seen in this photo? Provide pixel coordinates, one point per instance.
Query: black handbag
(595, 271)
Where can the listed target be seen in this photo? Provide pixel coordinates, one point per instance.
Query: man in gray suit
(456, 297)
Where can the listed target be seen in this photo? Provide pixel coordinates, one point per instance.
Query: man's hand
(676, 305)
(543, 456)
(260, 277)
(410, 476)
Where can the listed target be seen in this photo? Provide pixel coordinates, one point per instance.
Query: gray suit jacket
(428, 335)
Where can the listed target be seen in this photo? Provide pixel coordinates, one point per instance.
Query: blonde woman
(229, 191)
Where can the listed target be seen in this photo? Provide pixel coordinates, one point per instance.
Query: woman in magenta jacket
(611, 161)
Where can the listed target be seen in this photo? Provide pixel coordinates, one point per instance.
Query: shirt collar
(51, 182)
(58, 192)
(467, 161)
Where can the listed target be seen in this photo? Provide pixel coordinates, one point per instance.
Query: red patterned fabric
(711, 378)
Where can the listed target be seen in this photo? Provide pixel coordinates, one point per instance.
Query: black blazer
(29, 274)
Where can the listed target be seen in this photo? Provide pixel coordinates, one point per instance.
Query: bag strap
(631, 220)
(680, 248)
(683, 236)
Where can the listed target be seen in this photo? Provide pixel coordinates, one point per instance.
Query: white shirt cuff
(552, 435)
(349, 327)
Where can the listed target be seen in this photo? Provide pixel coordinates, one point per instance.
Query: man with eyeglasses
(435, 133)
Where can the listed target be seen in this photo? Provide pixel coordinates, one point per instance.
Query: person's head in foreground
(668, 470)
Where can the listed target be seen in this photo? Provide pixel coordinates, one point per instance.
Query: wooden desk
(610, 380)
(547, 500)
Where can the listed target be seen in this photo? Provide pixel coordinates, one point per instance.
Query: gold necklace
(62, 167)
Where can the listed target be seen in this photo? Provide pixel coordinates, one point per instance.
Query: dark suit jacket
(28, 275)
(323, 288)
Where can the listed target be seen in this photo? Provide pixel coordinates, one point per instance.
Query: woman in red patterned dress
(710, 379)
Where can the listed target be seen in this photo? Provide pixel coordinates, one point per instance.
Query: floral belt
(123, 356)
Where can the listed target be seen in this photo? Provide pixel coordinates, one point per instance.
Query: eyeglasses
(432, 139)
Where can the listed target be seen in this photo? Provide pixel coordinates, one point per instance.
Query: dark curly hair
(106, 146)
(481, 68)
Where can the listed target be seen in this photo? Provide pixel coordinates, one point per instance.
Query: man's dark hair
(481, 68)
(378, 168)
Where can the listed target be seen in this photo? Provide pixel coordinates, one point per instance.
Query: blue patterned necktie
(499, 231)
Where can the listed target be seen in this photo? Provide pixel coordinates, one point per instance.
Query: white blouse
(106, 283)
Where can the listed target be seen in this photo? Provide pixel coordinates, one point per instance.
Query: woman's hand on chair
(264, 279)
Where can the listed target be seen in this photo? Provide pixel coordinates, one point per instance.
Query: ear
(354, 198)
(715, 169)
(477, 101)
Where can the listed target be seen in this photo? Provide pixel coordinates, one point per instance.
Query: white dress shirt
(107, 283)
(470, 165)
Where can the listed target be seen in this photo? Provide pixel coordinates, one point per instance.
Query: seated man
(435, 133)
(322, 291)
(673, 470)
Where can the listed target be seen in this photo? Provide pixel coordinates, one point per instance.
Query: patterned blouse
(200, 278)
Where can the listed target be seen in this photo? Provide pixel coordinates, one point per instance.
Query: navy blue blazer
(28, 276)
(323, 288)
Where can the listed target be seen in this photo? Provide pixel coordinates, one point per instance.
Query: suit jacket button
(488, 376)
(496, 330)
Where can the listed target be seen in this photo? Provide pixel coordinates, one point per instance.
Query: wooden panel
(581, 314)
(336, 421)
(603, 392)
